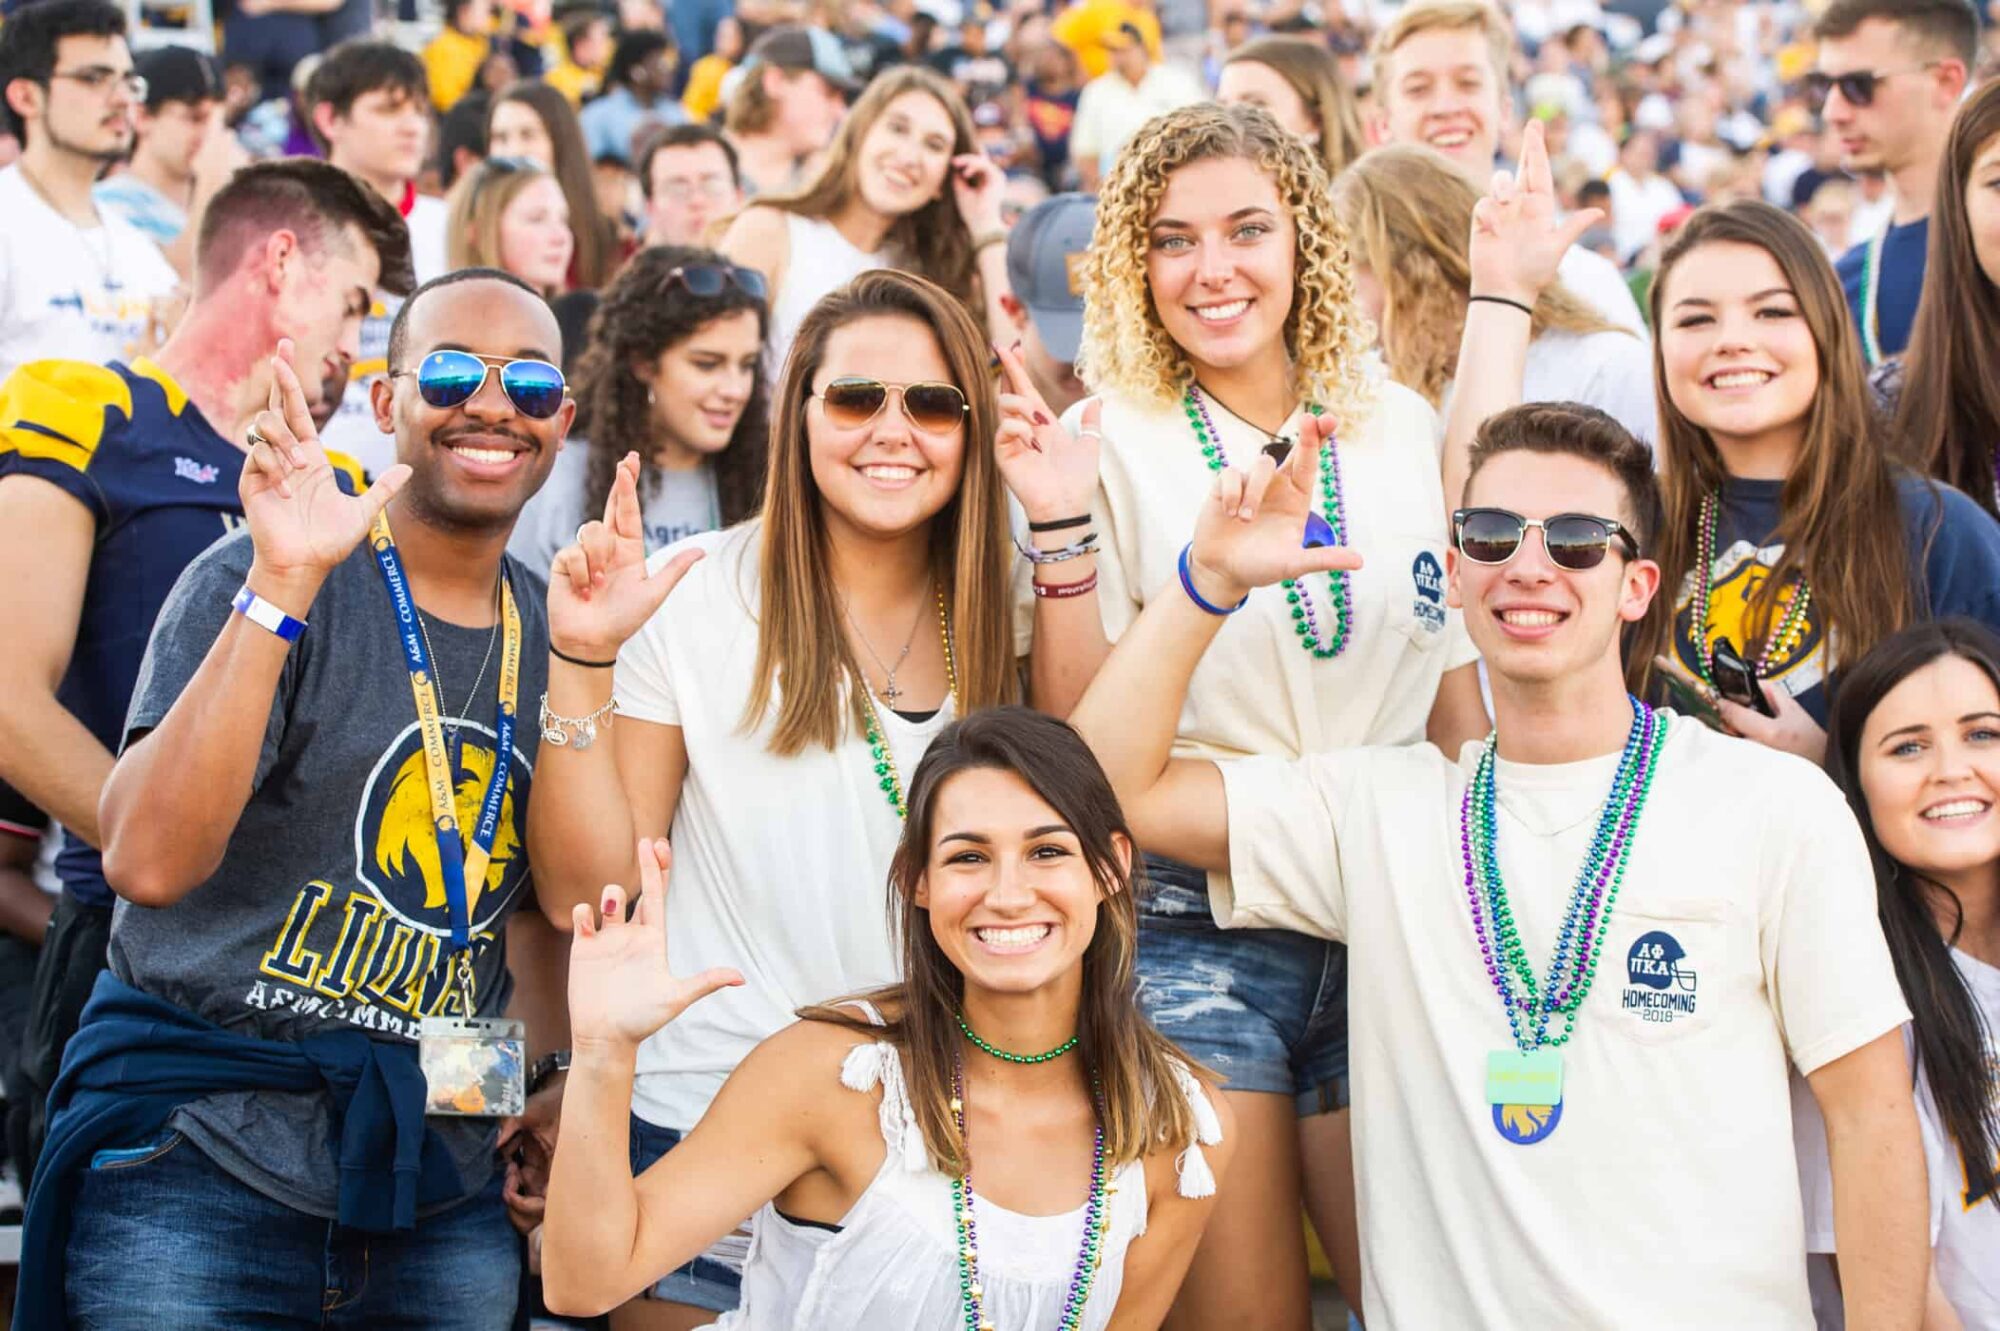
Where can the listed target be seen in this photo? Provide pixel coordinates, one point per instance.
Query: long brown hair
(803, 660)
(1144, 1109)
(1314, 74)
(596, 246)
(1948, 419)
(1409, 213)
(932, 242)
(645, 311)
(1837, 512)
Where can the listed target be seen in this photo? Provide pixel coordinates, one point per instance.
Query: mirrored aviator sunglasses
(708, 280)
(933, 408)
(1574, 541)
(449, 378)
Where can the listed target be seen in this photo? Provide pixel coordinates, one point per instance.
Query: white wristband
(267, 616)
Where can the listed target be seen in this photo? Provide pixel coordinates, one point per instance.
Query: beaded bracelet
(1085, 545)
(1062, 591)
(1187, 585)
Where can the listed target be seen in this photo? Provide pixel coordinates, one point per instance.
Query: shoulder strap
(1196, 1179)
(877, 1063)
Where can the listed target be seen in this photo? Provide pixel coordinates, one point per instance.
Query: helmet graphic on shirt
(1657, 962)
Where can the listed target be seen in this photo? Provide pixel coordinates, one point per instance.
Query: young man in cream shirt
(1741, 941)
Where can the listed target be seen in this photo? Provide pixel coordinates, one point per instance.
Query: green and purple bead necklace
(886, 777)
(1096, 1214)
(1305, 617)
(1791, 625)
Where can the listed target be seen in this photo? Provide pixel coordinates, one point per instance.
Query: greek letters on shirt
(372, 950)
(1427, 605)
(1661, 981)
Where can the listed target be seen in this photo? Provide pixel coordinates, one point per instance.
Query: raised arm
(1518, 242)
(608, 1235)
(1053, 476)
(172, 801)
(977, 185)
(1880, 1222)
(594, 800)
(1250, 534)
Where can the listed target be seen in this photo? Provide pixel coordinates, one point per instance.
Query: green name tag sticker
(1515, 1078)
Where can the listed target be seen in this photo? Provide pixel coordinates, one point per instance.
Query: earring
(650, 400)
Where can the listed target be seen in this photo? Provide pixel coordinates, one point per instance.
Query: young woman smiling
(1012, 1045)
(1219, 318)
(675, 374)
(904, 186)
(1948, 412)
(768, 704)
(532, 120)
(1915, 743)
(1776, 488)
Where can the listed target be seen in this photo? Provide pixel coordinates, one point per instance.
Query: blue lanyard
(456, 863)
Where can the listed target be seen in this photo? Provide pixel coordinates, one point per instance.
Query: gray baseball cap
(1044, 256)
(797, 48)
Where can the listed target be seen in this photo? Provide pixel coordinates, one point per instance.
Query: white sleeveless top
(894, 1262)
(821, 260)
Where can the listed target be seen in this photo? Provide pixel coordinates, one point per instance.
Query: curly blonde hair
(1127, 350)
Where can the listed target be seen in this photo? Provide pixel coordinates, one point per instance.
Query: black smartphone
(1736, 679)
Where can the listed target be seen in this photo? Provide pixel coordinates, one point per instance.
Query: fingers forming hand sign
(300, 520)
(1052, 473)
(620, 988)
(1518, 235)
(599, 590)
(1252, 531)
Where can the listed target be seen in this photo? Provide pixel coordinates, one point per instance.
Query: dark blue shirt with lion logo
(328, 911)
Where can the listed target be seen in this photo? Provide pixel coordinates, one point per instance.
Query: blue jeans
(163, 1239)
(1266, 1008)
(702, 1282)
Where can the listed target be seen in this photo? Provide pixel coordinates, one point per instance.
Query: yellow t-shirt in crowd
(572, 80)
(1084, 28)
(703, 93)
(452, 60)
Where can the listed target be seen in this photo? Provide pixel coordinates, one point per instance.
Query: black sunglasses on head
(708, 280)
(1575, 541)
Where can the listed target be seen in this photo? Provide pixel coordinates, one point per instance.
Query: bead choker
(1007, 1057)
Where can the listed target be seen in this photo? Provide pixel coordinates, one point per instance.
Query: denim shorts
(703, 1282)
(1265, 1008)
(163, 1237)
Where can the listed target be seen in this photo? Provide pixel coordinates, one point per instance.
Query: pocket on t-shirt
(1668, 965)
(1415, 590)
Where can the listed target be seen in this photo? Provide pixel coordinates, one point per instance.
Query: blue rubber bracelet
(1187, 585)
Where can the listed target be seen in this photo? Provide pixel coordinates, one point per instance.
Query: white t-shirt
(1257, 690)
(1610, 371)
(69, 292)
(1965, 1232)
(780, 864)
(1667, 1186)
(1597, 279)
(352, 429)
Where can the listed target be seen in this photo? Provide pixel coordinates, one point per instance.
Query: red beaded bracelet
(1062, 591)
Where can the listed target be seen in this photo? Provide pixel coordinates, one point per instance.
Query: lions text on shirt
(1257, 690)
(352, 429)
(160, 486)
(1743, 941)
(781, 864)
(69, 292)
(1965, 1226)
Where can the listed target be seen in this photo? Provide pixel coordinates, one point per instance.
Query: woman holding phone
(1775, 481)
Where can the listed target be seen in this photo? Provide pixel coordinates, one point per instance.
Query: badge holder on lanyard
(472, 1065)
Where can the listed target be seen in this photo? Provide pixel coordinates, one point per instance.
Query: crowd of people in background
(641, 631)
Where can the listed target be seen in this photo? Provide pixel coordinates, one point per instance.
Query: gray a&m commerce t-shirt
(328, 909)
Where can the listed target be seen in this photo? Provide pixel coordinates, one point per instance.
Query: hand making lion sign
(1052, 473)
(301, 522)
(1251, 531)
(1519, 235)
(599, 590)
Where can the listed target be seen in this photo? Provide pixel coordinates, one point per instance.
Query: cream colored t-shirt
(781, 864)
(1743, 943)
(1257, 691)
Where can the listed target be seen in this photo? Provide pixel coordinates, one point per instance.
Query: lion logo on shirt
(1738, 578)
(396, 847)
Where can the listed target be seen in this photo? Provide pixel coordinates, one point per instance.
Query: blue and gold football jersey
(160, 485)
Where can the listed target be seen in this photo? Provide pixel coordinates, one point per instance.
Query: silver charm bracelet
(575, 732)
